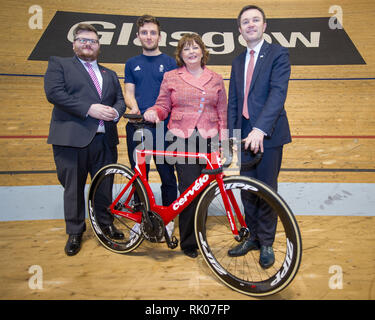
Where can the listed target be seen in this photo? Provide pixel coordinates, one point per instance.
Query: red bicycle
(219, 219)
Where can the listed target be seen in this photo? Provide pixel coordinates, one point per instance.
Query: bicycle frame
(218, 196)
(168, 213)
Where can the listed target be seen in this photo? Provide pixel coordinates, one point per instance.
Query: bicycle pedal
(172, 243)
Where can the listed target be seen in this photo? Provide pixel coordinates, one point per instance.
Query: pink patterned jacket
(193, 103)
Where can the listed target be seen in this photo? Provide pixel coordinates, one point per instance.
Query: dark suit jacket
(69, 87)
(267, 95)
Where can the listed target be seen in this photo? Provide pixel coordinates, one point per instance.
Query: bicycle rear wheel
(214, 236)
(105, 190)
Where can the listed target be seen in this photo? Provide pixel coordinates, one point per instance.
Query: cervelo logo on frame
(198, 184)
(311, 41)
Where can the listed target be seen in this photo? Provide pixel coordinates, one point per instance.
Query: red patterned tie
(249, 75)
(96, 83)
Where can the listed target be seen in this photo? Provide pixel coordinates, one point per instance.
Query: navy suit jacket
(69, 87)
(267, 94)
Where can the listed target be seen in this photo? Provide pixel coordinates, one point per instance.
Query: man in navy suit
(88, 102)
(256, 114)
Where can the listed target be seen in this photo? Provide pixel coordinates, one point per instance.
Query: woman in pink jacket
(196, 100)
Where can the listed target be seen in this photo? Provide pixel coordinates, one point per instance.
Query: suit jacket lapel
(85, 74)
(81, 67)
(258, 66)
(105, 77)
(190, 79)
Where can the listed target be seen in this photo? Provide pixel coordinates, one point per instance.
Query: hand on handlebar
(134, 110)
(255, 141)
(151, 116)
(240, 145)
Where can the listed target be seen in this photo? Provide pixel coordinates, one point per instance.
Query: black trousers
(73, 166)
(187, 173)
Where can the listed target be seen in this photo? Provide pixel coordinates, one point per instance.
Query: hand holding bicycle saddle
(220, 225)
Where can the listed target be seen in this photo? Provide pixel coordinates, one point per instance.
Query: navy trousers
(259, 217)
(165, 170)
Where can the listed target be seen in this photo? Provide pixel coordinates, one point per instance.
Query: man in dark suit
(257, 93)
(88, 102)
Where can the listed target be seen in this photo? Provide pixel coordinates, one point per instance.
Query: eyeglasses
(85, 40)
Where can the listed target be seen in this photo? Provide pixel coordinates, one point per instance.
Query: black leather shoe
(73, 245)
(243, 248)
(267, 257)
(192, 253)
(113, 233)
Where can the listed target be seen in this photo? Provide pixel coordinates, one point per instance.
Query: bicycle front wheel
(214, 236)
(113, 199)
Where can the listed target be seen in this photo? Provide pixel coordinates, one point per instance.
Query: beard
(149, 48)
(87, 55)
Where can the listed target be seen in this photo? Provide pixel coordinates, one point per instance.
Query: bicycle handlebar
(133, 116)
(140, 120)
(244, 166)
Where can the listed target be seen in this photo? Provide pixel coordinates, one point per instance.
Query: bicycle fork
(230, 202)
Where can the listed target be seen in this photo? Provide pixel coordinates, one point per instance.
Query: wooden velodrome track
(332, 115)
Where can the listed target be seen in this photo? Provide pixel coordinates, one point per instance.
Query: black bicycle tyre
(220, 266)
(123, 172)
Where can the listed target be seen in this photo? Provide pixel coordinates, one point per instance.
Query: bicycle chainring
(152, 226)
